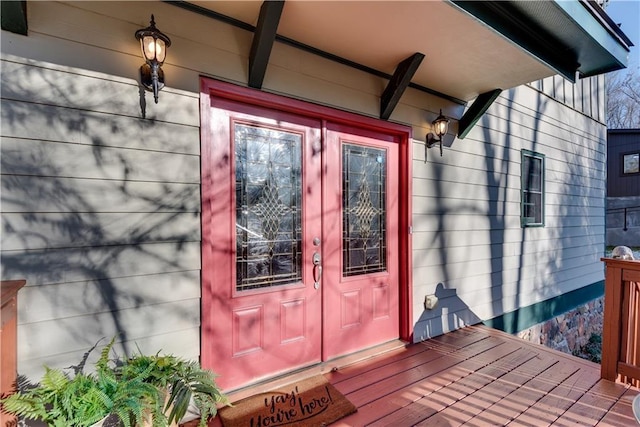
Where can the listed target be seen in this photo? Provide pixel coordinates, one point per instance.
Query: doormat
(311, 402)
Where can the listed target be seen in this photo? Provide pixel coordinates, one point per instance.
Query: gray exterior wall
(100, 213)
(469, 245)
(101, 187)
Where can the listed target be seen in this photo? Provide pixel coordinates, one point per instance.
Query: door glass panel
(364, 194)
(268, 207)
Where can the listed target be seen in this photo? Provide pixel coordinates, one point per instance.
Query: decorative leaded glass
(364, 194)
(268, 207)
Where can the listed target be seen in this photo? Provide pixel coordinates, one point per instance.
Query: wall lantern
(440, 126)
(154, 46)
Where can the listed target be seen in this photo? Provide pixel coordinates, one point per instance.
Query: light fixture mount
(153, 44)
(440, 127)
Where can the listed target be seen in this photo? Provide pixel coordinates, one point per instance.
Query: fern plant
(180, 382)
(138, 390)
(61, 401)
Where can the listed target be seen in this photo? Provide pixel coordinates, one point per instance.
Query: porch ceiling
(469, 49)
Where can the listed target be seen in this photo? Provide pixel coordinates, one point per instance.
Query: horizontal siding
(176, 343)
(60, 230)
(46, 194)
(467, 238)
(77, 299)
(61, 159)
(76, 333)
(488, 239)
(70, 125)
(432, 256)
(541, 267)
(47, 266)
(100, 193)
(91, 92)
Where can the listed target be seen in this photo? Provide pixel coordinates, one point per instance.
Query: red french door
(360, 212)
(300, 241)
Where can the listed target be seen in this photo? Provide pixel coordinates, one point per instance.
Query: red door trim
(210, 88)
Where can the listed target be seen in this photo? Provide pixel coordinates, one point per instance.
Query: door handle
(317, 269)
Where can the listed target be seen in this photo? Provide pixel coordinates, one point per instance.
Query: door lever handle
(317, 269)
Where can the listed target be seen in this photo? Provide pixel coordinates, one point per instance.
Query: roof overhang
(470, 47)
(455, 49)
(570, 37)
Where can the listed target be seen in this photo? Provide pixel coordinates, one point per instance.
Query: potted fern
(136, 391)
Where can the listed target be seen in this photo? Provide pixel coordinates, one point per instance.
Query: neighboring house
(623, 187)
(277, 207)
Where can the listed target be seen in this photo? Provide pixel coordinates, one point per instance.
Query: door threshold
(265, 385)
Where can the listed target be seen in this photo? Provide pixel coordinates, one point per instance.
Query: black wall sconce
(154, 46)
(440, 126)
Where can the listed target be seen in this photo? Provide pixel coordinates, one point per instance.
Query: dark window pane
(533, 208)
(532, 189)
(533, 173)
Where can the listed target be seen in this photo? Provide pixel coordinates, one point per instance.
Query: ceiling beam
(14, 16)
(263, 38)
(475, 111)
(398, 83)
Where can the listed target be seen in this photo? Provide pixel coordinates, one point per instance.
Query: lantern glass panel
(161, 50)
(441, 127)
(148, 48)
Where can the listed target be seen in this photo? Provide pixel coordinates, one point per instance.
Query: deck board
(621, 414)
(457, 391)
(592, 406)
(474, 376)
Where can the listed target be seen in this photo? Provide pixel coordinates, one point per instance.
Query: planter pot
(147, 420)
(108, 421)
(114, 421)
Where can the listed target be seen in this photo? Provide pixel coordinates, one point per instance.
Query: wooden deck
(475, 376)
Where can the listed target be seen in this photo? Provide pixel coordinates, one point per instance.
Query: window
(630, 163)
(532, 197)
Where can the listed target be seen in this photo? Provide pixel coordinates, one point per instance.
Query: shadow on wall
(449, 314)
(100, 214)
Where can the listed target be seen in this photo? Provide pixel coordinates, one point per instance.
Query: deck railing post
(620, 340)
(611, 332)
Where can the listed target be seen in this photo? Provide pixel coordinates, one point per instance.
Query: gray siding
(469, 248)
(100, 213)
(101, 187)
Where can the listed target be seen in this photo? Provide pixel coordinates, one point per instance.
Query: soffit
(464, 56)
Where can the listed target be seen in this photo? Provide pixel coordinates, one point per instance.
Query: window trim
(622, 155)
(524, 222)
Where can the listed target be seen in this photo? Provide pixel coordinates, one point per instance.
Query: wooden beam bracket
(398, 83)
(475, 112)
(263, 39)
(14, 16)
